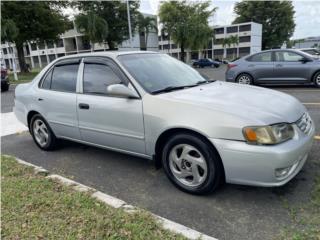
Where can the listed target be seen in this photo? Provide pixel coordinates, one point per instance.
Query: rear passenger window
(64, 78)
(261, 57)
(97, 77)
(47, 81)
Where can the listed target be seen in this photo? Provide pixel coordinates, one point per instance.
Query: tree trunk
(146, 40)
(22, 62)
(182, 58)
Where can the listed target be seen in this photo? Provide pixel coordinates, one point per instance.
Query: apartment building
(249, 35)
(38, 55)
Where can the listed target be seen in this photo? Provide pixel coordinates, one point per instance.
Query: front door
(289, 67)
(261, 66)
(109, 121)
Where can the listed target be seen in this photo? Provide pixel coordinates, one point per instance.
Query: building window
(41, 45)
(219, 30)
(50, 44)
(5, 51)
(231, 51)
(159, 38)
(218, 41)
(33, 46)
(244, 28)
(232, 29)
(210, 44)
(160, 47)
(173, 46)
(218, 52)
(244, 39)
(166, 46)
(52, 57)
(59, 43)
(244, 50)
(61, 55)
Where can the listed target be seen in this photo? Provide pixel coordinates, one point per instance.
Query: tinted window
(232, 29)
(244, 28)
(97, 77)
(261, 57)
(64, 78)
(287, 57)
(47, 81)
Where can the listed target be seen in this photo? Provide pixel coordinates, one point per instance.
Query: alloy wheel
(317, 80)
(244, 79)
(40, 132)
(188, 165)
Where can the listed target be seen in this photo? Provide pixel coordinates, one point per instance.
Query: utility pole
(129, 23)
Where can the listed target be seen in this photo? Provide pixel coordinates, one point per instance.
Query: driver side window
(287, 57)
(97, 77)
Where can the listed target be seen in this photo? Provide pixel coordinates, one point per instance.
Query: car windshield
(312, 51)
(159, 72)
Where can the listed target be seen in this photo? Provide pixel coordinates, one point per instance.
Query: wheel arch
(30, 115)
(164, 136)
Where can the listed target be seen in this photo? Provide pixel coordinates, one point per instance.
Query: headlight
(269, 134)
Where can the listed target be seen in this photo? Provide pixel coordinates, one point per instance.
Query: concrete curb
(118, 203)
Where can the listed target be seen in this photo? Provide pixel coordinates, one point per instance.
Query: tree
(187, 23)
(145, 25)
(234, 41)
(94, 27)
(115, 14)
(34, 21)
(225, 42)
(276, 17)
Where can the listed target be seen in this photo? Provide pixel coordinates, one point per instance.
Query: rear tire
(245, 79)
(316, 80)
(191, 164)
(42, 133)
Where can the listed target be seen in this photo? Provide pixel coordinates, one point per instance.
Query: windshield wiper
(173, 88)
(205, 81)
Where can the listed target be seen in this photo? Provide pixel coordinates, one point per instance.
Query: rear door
(110, 121)
(56, 98)
(260, 66)
(289, 68)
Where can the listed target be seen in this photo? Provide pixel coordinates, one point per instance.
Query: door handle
(279, 65)
(40, 99)
(83, 106)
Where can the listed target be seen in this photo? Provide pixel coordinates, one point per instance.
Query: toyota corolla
(202, 132)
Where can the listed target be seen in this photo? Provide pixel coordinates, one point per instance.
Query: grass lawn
(24, 77)
(306, 218)
(34, 207)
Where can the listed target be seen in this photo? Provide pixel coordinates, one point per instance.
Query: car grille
(305, 123)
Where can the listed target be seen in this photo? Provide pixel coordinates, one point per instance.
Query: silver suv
(275, 67)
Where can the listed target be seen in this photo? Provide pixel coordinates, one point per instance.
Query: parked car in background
(4, 79)
(151, 105)
(206, 62)
(278, 66)
(312, 51)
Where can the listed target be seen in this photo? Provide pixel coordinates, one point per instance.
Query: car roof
(111, 54)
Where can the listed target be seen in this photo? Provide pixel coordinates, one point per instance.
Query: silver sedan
(150, 105)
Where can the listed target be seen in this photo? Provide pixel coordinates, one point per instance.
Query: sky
(307, 15)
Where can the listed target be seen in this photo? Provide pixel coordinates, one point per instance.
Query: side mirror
(305, 60)
(121, 90)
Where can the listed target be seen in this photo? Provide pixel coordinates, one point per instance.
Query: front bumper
(256, 165)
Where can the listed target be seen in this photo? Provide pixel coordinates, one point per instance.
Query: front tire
(245, 79)
(316, 80)
(42, 133)
(191, 164)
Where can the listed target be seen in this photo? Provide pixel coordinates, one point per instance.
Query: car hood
(256, 104)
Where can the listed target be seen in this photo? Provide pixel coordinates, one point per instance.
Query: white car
(151, 105)
(311, 51)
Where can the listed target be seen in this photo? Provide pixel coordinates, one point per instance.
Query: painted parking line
(312, 104)
(317, 137)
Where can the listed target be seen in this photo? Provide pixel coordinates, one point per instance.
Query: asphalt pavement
(233, 212)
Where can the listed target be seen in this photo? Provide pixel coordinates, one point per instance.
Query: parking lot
(233, 212)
